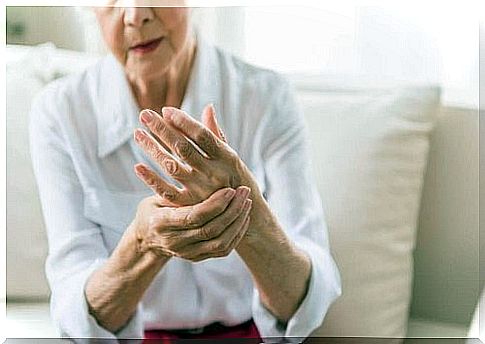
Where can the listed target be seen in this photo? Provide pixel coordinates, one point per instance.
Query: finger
(173, 139)
(169, 164)
(170, 194)
(237, 239)
(167, 148)
(196, 216)
(214, 228)
(220, 246)
(194, 130)
(234, 244)
(160, 142)
(209, 119)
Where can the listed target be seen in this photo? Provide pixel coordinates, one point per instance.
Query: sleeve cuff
(70, 311)
(324, 288)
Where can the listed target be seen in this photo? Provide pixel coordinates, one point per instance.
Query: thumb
(210, 121)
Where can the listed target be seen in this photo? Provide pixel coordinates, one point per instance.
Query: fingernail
(140, 169)
(146, 116)
(139, 134)
(167, 112)
(244, 191)
(248, 204)
(229, 193)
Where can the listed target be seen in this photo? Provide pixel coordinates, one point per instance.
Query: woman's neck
(169, 88)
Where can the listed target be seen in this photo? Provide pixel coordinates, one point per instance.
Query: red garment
(215, 331)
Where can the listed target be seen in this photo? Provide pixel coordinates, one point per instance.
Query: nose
(138, 16)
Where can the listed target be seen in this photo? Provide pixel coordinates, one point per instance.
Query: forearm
(114, 290)
(280, 270)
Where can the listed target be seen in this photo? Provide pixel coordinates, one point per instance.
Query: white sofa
(386, 201)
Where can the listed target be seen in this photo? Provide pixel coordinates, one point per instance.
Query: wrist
(113, 291)
(132, 257)
(263, 227)
(142, 244)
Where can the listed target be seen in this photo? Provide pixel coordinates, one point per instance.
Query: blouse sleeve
(76, 246)
(293, 197)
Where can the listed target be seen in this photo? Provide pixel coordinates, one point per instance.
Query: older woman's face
(145, 40)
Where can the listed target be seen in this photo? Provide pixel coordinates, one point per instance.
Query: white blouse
(83, 152)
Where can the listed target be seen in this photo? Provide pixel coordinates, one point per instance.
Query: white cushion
(26, 240)
(29, 69)
(370, 146)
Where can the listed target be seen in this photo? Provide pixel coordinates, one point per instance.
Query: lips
(147, 46)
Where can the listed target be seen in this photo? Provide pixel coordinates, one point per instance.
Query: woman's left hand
(201, 170)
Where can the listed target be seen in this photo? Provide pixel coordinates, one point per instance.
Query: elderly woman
(228, 237)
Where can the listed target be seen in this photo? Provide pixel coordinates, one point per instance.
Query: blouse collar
(117, 115)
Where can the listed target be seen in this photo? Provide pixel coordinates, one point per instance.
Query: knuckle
(157, 154)
(168, 195)
(186, 220)
(219, 248)
(226, 249)
(158, 127)
(170, 166)
(210, 247)
(200, 134)
(205, 233)
(222, 252)
(151, 182)
(203, 138)
(191, 219)
(196, 218)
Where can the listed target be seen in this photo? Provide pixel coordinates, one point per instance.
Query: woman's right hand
(209, 229)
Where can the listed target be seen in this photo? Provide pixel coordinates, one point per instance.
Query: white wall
(60, 25)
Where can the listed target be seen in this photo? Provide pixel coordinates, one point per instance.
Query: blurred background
(434, 44)
(333, 52)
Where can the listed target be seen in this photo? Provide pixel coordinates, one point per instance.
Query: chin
(150, 67)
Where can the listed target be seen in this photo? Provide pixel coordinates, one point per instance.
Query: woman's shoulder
(66, 96)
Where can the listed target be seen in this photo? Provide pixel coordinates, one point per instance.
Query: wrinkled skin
(201, 170)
